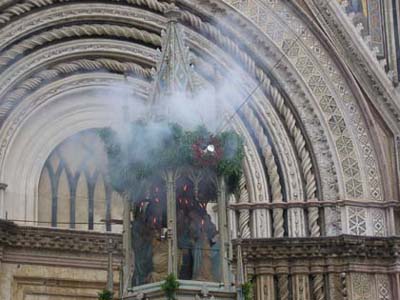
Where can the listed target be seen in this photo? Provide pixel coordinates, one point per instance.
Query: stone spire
(174, 73)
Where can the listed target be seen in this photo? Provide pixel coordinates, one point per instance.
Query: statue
(159, 260)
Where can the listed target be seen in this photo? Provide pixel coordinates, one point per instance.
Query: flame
(185, 188)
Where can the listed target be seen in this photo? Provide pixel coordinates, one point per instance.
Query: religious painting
(149, 240)
(370, 14)
(197, 234)
(198, 239)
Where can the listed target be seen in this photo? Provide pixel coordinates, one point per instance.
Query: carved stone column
(223, 229)
(170, 178)
(110, 271)
(334, 286)
(318, 283)
(343, 286)
(283, 283)
(3, 187)
(265, 287)
(313, 226)
(233, 232)
(127, 245)
(277, 216)
(261, 223)
(300, 283)
(296, 222)
(244, 214)
(396, 285)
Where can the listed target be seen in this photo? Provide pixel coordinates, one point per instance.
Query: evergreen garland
(247, 290)
(169, 286)
(147, 149)
(105, 295)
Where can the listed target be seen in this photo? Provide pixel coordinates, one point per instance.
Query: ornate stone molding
(45, 239)
(313, 83)
(74, 11)
(83, 65)
(344, 246)
(375, 81)
(26, 6)
(58, 53)
(77, 31)
(296, 37)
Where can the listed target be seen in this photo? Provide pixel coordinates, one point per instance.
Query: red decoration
(202, 156)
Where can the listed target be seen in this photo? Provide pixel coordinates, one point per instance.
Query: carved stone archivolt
(311, 167)
(311, 72)
(315, 74)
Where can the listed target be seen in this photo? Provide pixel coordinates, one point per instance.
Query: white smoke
(209, 106)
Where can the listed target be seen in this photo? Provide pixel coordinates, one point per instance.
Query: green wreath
(146, 149)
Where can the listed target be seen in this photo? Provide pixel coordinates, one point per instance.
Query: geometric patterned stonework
(383, 287)
(378, 223)
(344, 145)
(357, 217)
(354, 188)
(328, 103)
(324, 80)
(350, 167)
(344, 252)
(361, 286)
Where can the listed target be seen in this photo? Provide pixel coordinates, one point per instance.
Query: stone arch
(70, 106)
(306, 105)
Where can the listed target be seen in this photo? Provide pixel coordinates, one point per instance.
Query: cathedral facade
(310, 86)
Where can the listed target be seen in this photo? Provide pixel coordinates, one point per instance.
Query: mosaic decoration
(369, 14)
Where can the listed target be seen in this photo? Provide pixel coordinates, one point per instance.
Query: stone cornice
(316, 203)
(60, 240)
(344, 246)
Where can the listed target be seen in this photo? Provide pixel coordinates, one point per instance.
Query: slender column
(223, 230)
(3, 187)
(396, 285)
(265, 286)
(261, 225)
(110, 274)
(391, 230)
(296, 222)
(343, 286)
(127, 242)
(300, 285)
(170, 177)
(313, 216)
(318, 283)
(334, 288)
(233, 234)
(283, 283)
(244, 214)
(300, 280)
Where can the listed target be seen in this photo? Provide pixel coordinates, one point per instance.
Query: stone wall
(45, 263)
(335, 268)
